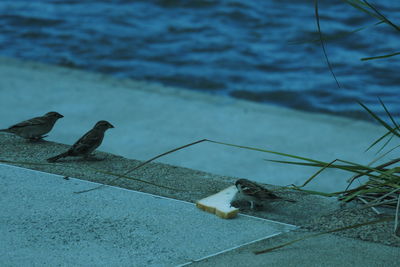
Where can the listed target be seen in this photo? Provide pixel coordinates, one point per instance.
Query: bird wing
(258, 191)
(88, 142)
(30, 122)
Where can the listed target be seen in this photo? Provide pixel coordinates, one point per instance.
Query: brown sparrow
(35, 128)
(87, 143)
(254, 193)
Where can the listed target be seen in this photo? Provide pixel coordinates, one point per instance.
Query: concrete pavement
(39, 208)
(151, 119)
(43, 223)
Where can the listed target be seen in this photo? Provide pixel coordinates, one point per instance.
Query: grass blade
(380, 57)
(268, 151)
(322, 42)
(378, 140)
(370, 169)
(361, 170)
(336, 166)
(396, 221)
(96, 170)
(125, 177)
(359, 5)
(312, 192)
(381, 16)
(388, 113)
(119, 176)
(318, 172)
(332, 38)
(383, 123)
(385, 144)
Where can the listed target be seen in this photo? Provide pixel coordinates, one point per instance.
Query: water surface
(242, 48)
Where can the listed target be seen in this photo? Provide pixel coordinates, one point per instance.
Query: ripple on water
(265, 51)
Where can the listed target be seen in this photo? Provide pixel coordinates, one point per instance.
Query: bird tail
(289, 200)
(55, 158)
(4, 130)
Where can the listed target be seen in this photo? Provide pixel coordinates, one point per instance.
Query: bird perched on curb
(35, 128)
(87, 143)
(254, 193)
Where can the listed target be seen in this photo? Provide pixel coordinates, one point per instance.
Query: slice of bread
(220, 203)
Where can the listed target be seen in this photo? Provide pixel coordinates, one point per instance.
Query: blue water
(249, 49)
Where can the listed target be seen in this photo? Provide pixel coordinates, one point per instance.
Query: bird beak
(111, 126)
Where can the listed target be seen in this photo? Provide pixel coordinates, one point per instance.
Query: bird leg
(92, 157)
(38, 138)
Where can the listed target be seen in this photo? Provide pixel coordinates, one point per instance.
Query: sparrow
(35, 128)
(87, 143)
(254, 193)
